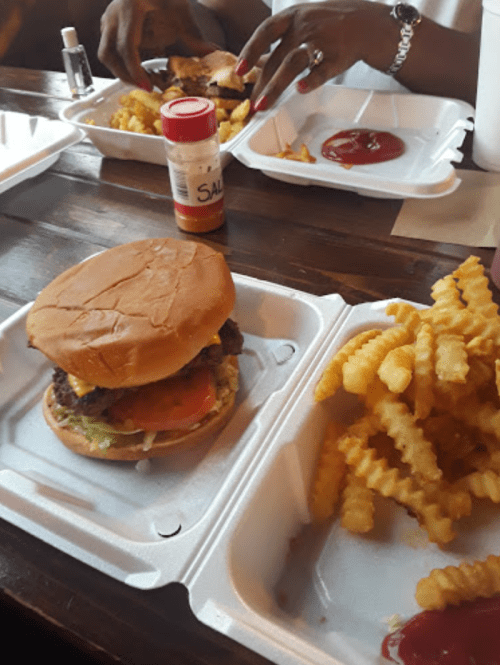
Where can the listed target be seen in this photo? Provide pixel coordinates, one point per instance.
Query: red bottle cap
(188, 119)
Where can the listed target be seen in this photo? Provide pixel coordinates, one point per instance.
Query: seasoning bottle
(76, 64)
(192, 142)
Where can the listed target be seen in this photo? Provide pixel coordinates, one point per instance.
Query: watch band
(408, 17)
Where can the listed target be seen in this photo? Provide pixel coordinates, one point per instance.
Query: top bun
(214, 68)
(192, 67)
(133, 314)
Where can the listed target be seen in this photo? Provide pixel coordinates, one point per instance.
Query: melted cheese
(80, 387)
(226, 77)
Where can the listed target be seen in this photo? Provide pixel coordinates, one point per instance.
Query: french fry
(408, 438)
(484, 416)
(484, 484)
(361, 368)
(405, 314)
(240, 113)
(224, 131)
(453, 584)
(390, 483)
(357, 505)
(446, 295)
(474, 286)
(451, 358)
(424, 371)
(396, 370)
(139, 112)
(174, 92)
(300, 155)
(453, 499)
(331, 379)
(329, 474)
(429, 436)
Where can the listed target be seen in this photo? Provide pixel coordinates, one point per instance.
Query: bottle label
(200, 212)
(198, 189)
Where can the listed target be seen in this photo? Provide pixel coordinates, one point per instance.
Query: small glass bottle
(76, 64)
(192, 143)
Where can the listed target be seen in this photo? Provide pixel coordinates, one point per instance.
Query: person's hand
(129, 25)
(336, 34)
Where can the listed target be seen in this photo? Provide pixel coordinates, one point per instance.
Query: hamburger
(144, 347)
(212, 75)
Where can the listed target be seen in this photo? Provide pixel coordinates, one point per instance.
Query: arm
(441, 61)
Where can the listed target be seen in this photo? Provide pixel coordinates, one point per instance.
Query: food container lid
(188, 119)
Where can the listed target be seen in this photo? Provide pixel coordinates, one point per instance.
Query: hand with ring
(322, 39)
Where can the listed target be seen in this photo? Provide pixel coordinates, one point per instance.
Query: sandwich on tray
(145, 351)
(212, 75)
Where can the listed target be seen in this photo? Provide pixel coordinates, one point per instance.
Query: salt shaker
(192, 142)
(486, 138)
(76, 64)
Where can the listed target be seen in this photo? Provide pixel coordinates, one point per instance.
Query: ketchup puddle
(468, 634)
(362, 146)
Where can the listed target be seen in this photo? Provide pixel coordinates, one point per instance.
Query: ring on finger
(315, 55)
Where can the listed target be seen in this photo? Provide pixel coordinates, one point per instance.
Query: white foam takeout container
(119, 144)
(31, 144)
(433, 129)
(229, 519)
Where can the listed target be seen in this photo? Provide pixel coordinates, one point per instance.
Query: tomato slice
(174, 403)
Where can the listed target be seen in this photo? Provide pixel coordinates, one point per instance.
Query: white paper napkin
(468, 216)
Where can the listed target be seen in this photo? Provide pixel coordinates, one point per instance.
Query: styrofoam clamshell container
(31, 144)
(97, 109)
(229, 519)
(432, 128)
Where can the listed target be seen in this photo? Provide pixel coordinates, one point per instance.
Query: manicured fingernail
(302, 86)
(145, 85)
(261, 104)
(242, 67)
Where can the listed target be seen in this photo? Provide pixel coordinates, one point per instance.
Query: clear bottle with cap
(76, 64)
(192, 143)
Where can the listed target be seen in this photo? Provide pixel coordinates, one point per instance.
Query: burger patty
(198, 87)
(95, 402)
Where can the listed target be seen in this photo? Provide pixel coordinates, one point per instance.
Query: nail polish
(241, 68)
(261, 104)
(302, 86)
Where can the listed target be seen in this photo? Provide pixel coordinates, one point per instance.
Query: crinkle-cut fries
(139, 112)
(430, 387)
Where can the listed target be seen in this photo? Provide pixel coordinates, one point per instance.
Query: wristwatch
(408, 17)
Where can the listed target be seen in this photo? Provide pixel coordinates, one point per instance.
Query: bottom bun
(130, 447)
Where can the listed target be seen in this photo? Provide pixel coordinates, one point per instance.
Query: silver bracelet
(408, 17)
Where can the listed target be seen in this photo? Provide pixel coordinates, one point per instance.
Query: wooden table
(313, 239)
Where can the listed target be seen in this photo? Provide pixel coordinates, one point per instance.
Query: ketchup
(467, 634)
(362, 146)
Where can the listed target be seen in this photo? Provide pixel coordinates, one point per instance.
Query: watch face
(407, 13)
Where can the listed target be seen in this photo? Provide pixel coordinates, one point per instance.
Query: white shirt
(464, 15)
